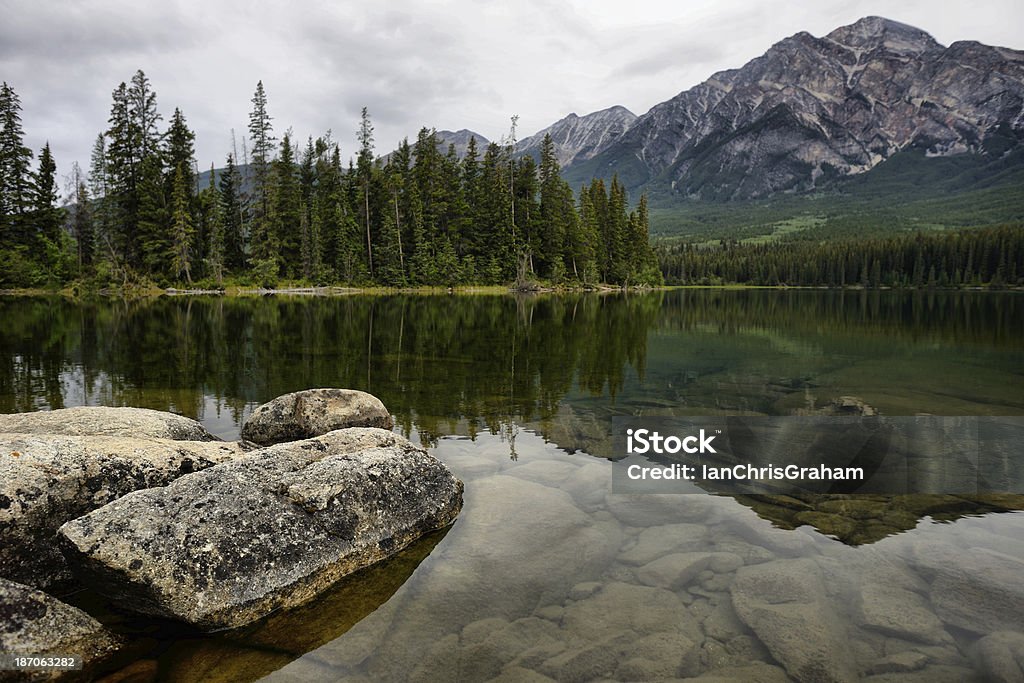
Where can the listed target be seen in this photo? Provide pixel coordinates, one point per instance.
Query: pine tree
(231, 214)
(182, 227)
(145, 118)
(287, 208)
(82, 222)
(154, 244)
(264, 247)
(364, 165)
(15, 173)
(45, 195)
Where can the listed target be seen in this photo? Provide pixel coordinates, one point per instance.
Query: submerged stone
(48, 480)
(228, 545)
(312, 413)
(785, 604)
(102, 421)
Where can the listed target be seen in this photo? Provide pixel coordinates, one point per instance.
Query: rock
(722, 623)
(678, 570)
(657, 541)
(624, 607)
(930, 674)
(1000, 656)
(977, 590)
(900, 613)
(901, 662)
(312, 413)
(586, 662)
(48, 480)
(230, 544)
(582, 591)
(657, 656)
(101, 421)
(784, 603)
(752, 673)
(589, 485)
(34, 623)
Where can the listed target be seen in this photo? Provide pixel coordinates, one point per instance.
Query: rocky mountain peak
(812, 110)
(872, 33)
(577, 138)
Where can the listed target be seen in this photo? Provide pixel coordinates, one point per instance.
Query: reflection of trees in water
(873, 316)
(433, 360)
(444, 363)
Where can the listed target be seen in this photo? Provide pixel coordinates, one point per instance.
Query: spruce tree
(287, 209)
(45, 195)
(182, 227)
(15, 171)
(231, 214)
(364, 166)
(261, 134)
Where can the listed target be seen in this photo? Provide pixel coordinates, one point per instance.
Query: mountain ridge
(812, 110)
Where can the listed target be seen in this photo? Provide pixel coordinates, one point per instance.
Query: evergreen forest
(289, 211)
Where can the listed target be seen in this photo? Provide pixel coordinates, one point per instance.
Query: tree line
(281, 210)
(992, 257)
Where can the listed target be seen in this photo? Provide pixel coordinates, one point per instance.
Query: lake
(547, 574)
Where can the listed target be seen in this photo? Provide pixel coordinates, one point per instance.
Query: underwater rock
(977, 590)
(1000, 656)
(228, 545)
(312, 413)
(784, 603)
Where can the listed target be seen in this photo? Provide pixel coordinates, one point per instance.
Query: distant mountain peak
(874, 32)
(577, 138)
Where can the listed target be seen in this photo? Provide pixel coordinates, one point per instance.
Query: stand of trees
(992, 257)
(420, 217)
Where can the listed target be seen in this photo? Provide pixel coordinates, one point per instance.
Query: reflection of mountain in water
(861, 519)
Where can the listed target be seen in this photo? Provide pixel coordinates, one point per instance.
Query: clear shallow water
(546, 573)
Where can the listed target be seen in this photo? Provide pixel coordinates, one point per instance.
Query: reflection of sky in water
(545, 568)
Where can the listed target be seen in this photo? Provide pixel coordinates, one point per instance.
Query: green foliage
(985, 256)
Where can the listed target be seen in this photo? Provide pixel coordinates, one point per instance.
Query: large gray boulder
(228, 545)
(33, 623)
(98, 421)
(314, 412)
(47, 480)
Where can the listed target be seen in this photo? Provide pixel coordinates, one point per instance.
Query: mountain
(460, 139)
(578, 138)
(811, 111)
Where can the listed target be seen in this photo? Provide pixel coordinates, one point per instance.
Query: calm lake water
(547, 574)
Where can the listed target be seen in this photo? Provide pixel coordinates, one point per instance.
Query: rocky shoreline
(153, 512)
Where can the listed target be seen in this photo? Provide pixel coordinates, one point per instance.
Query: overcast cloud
(448, 64)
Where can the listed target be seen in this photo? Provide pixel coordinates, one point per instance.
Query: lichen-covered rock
(48, 480)
(99, 421)
(312, 413)
(228, 545)
(33, 623)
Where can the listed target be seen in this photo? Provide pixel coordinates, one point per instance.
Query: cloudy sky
(449, 64)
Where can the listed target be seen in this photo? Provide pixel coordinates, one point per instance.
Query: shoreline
(461, 290)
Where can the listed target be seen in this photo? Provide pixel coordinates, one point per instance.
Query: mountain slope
(812, 110)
